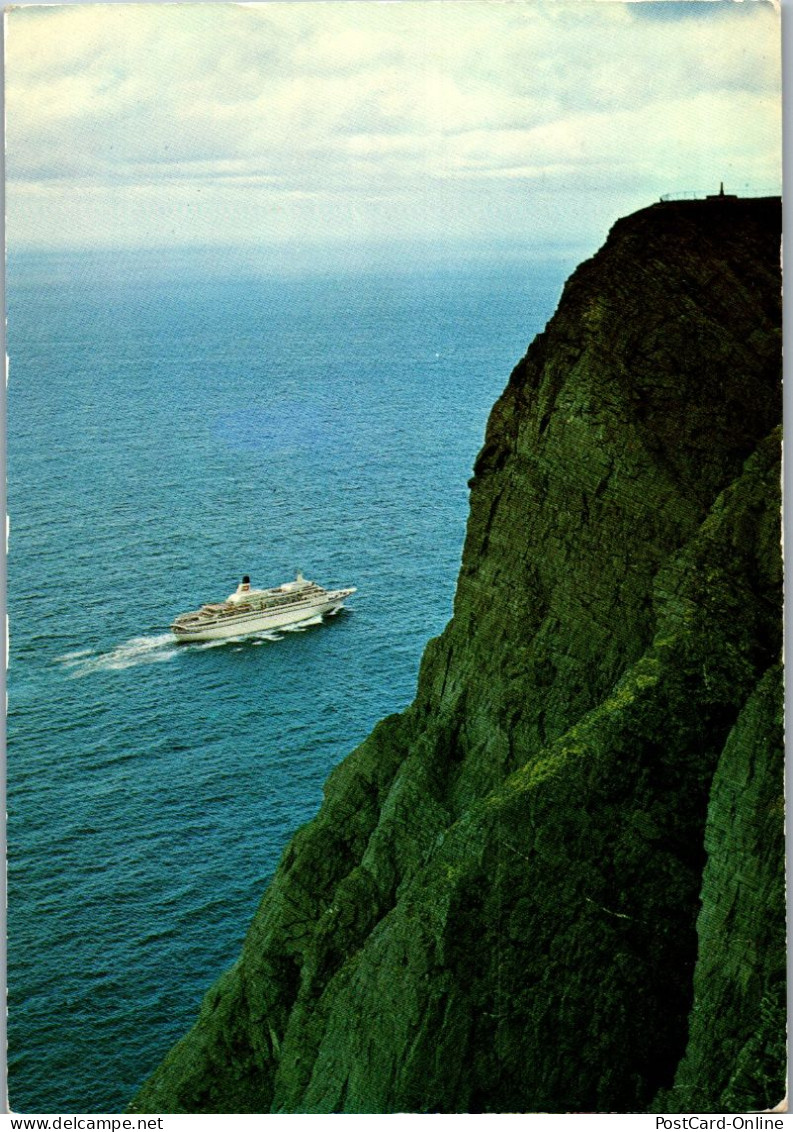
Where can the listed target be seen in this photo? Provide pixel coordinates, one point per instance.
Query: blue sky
(321, 124)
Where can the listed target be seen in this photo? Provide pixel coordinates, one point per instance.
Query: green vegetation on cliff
(555, 882)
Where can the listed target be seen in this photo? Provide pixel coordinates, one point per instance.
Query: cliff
(555, 882)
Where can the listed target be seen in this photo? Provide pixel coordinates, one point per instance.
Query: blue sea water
(174, 422)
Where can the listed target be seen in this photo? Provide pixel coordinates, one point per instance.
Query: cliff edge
(554, 883)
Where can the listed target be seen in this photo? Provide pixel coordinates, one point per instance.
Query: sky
(423, 124)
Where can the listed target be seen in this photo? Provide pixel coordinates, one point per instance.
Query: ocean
(174, 421)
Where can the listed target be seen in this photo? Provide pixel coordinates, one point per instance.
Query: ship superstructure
(250, 610)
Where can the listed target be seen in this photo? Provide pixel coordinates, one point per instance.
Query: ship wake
(163, 647)
(129, 654)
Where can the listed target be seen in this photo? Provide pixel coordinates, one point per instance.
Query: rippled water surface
(173, 424)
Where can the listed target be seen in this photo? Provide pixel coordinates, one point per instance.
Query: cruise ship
(253, 611)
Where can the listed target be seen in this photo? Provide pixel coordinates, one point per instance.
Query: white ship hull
(246, 623)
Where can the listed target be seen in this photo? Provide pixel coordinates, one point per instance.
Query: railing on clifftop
(746, 190)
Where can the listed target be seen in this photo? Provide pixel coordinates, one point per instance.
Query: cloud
(283, 110)
(673, 10)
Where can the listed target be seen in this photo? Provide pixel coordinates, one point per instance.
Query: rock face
(555, 882)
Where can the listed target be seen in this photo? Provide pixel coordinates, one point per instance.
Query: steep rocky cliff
(555, 882)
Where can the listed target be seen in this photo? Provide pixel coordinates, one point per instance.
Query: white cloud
(278, 112)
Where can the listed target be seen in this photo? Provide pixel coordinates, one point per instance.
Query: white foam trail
(254, 638)
(70, 658)
(301, 625)
(138, 650)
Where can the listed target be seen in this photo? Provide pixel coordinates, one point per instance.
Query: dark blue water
(173, 424)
